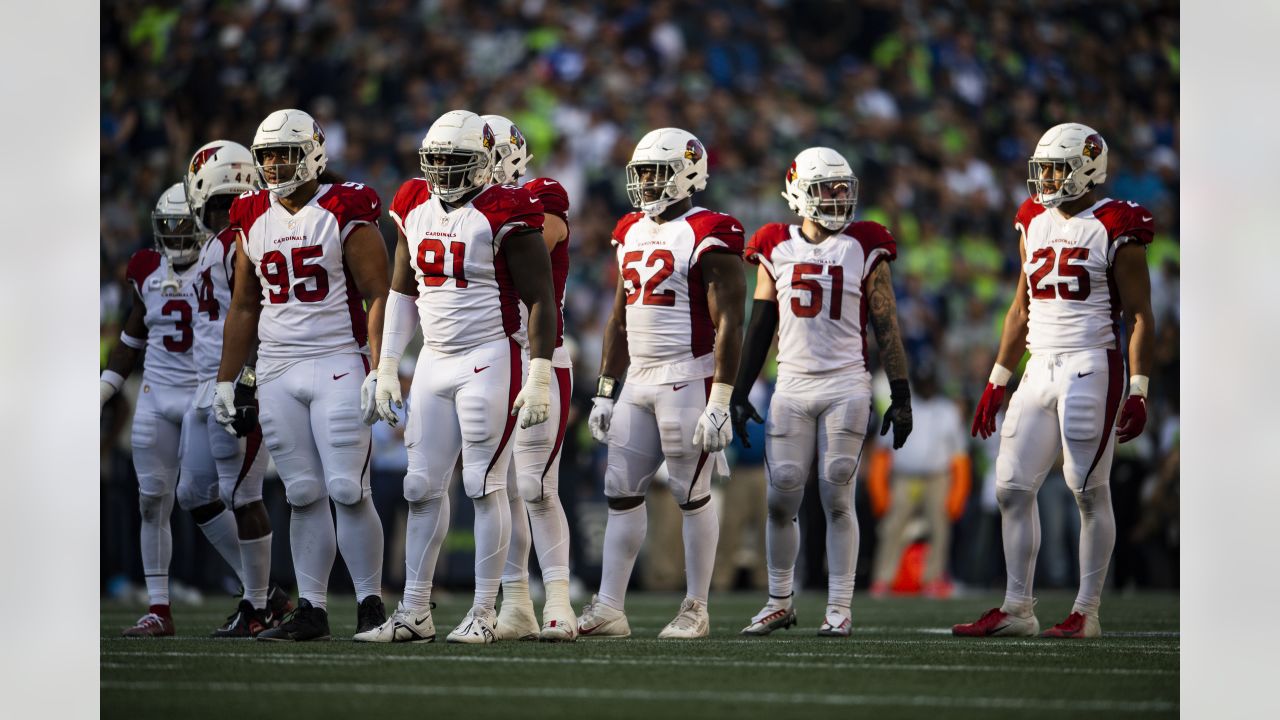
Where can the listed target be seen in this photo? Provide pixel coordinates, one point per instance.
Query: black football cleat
(278, 605)
(305, 623)
(245, 622)
(370, 614)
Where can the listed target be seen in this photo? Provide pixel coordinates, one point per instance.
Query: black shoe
(278, 604)
(370, 614)
(307, 622)
(245, 622)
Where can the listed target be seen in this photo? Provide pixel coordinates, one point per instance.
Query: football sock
(222, 534)
(157, 545)
(782, 540)
(313, 545)
(515, 593)
(255, 561)
(842, 541)
(623, 535)
(701, 533)
(550, 537)
(517, 564)
(424, 535)
(557, 597)
(360, 540)
(1020, 524)
(1097, 540)
(493, 534)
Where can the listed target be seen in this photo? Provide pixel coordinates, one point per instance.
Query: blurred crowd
(937, 106)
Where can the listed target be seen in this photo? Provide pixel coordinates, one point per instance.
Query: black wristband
(899, 392)
(608, 387)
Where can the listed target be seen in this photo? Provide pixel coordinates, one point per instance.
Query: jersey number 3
(1047, 258)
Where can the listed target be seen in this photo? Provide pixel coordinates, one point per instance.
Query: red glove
(1133, 418)
(984, 419)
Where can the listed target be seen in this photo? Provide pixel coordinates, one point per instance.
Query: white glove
(368, 406)
(534, 400)
(224, 405)
(387, 390)
(714, 432)
(108, 385)
(600, 419)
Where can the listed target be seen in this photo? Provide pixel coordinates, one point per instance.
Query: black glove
(246, 420)
(740, 411)
(898, 414)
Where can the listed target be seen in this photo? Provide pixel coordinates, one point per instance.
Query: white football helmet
(1070, 159)
(676, 163)
(822, 187)
(303, 141)
(510, 150)
(221, 168)
(174, 228)
(457, 154)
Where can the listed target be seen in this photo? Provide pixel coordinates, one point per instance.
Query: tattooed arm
(884, 317)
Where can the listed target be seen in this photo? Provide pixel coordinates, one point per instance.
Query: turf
(900, 663)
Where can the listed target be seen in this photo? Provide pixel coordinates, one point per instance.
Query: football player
(159, 325)
(468, 252)
(225, 471)
(533, 486)
(307, 253)
(1083, 262)
(817, 285)
(676, 330)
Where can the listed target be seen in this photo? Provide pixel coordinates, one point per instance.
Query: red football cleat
(156, 623)
(997, 623)
(1077, 625)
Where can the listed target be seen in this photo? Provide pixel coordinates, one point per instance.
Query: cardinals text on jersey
(1074, 301)
(169, 316)
(822, 293)
(466, 296)
(310, 305)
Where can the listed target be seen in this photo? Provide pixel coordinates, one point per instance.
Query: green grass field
(901, 663)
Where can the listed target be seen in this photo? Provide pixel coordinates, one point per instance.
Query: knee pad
(419, 488)
(530, 487)
(1012, 498)
(787, 477)
(153, 508)
(196, 490)
(1094, 499)
(301, 493)
(1081, 417)
(840, 470)
(1008, 470)
(345, 490)
(622, 504)
(473, 419)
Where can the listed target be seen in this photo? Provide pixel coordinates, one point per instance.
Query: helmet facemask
(830, 202)
(455, 172)
(1054, 181)
(176, 236)
(657, 190)
(282, 177)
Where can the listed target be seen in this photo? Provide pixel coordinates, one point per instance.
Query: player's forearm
(122, 360)
(542, 325)
(1142, 343)
(376, 315)
(1013, 338)
(615, 356)
(729, 344)
(884, 318)
(759, 338)
(239, 334)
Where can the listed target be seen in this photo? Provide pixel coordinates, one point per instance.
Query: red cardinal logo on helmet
(486, 137)
(316, 133)
(1093, 146)
(517, 138)
(693, 151)
(791, 172)
(203, 157)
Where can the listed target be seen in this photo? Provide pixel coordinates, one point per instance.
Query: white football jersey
(466, 295)
(169, 317)
(1074, 301)
(822, 294)
(667, 316)
(213, 296)
(311, 307)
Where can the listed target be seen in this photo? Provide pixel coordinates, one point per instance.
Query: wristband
(131, 341)
(608, 387)
(113, 378)
(720, 394)
(1138, 385)
(1000, 375)
(248, 377)
(539, 372)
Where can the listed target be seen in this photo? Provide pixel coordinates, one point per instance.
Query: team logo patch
(202, 157)
(486, 137)
(517, 138)
(1093, 146)
(316, 133)
(693, 151)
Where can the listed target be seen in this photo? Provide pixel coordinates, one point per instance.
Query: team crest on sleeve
(486, 137)
(1093, 146)
(203, 157)
(693, 151)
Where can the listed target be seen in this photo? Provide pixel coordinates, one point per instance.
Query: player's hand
(741, 410)
(984, 418)
(387, 391)
(1133, 418)
(224, 405)
(534, 401)
(368, 403)
(600, 419)
(246, 405)
(899, 413)
(714, 433)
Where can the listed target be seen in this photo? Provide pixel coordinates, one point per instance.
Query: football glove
(368, 403)
(246, 403)
(984, 417)
(899, 413)
(387, 391)
(600, 419)
(741, 410)
(224, 405)
(534, 401)
(1133, 418)
(714, 432)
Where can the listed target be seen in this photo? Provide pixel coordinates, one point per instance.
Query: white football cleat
(600, 620)
(403, 626)
(516, 620)
(476, 628)
(770, 619)
(836, 624)
(691, 622)
(559, 623)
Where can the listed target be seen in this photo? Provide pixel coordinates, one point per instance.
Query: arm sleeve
(755, 346)
(400, 322)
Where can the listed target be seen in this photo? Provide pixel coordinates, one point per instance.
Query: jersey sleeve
(356, 205)
(141, 265)
(716, 232)
(877, 244)
(411, 194)
(760, 249)
(1026, 212)
(552, 195)
(1125, 222)
(509, 208)
(620, 230)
